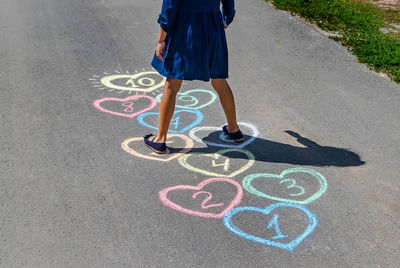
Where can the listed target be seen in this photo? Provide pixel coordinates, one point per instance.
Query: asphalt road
(316, 183)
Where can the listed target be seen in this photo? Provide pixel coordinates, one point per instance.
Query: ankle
(233, 128)
(160, 139)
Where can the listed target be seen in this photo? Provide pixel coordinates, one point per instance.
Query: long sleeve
(228, 10)
(169, 13)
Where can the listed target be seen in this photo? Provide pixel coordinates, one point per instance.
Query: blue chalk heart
(174, 121)
(289, 246)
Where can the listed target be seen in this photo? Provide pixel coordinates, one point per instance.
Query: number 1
(274, 224)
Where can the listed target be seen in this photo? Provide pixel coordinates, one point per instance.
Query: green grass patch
(358, 22)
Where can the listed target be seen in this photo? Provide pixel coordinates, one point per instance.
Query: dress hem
(188, 77)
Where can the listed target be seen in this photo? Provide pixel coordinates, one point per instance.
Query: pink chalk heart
(128, 105)
(206, 202)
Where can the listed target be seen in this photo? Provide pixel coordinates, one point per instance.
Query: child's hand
(160, 49)
(226, 26)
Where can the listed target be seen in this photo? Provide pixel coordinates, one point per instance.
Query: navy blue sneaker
(236, 136)
(157, 147)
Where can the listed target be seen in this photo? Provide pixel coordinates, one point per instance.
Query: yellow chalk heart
(183, 160)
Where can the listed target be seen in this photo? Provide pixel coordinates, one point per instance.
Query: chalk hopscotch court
(226, 166)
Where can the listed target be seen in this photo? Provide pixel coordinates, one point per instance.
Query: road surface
(316, 183)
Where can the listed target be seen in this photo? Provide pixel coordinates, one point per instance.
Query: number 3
(293, 185)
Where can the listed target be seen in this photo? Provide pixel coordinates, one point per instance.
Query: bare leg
(167, 107)
(227, 101)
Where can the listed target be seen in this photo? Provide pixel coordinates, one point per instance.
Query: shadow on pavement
(269, 151)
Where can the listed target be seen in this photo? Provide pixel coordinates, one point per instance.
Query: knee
(219, 84)
(173, 85)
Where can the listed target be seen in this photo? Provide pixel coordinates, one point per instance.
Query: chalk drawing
(317, 178)
(185, 100)
(190, 102)
(126, 145)
(312, 223)
(248, 128)
(274, 224)
(175, 122)
(236, 200)
(293, 185)
(206, 200)
(128, 107)
(129, 110)
(183, 160)
(225, 164)
(146, 81)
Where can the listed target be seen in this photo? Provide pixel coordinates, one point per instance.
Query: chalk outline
(106, 81)
(225, 164)
(236, 200)
(254, 135)
(313, 221)
(294, 185)
(274, 224)
(97, 105)
(321, 179)
(251, 160)
(199, 118)
(128, 105)
(188, 146)
(213, 98)
(206, 200)
(290, 246)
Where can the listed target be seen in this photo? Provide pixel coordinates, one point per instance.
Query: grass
(358, 23)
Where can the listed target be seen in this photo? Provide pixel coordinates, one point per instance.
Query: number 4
(176, 122)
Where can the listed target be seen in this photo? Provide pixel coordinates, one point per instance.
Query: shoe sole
(235, 140)
(156, 151)
(239, 140)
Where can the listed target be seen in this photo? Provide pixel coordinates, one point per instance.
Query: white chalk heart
(247, 128)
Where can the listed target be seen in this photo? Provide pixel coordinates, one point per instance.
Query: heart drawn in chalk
(215, 161)
(127, 105)
(187, 100)
(273, 224)
(207, 202)
(127, 146)
(292, 186)
(247, 128)
(178, 122)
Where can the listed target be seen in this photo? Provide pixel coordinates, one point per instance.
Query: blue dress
(196, 47)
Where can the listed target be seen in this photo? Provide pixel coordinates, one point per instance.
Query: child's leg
(167, 107)
(227, 101)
